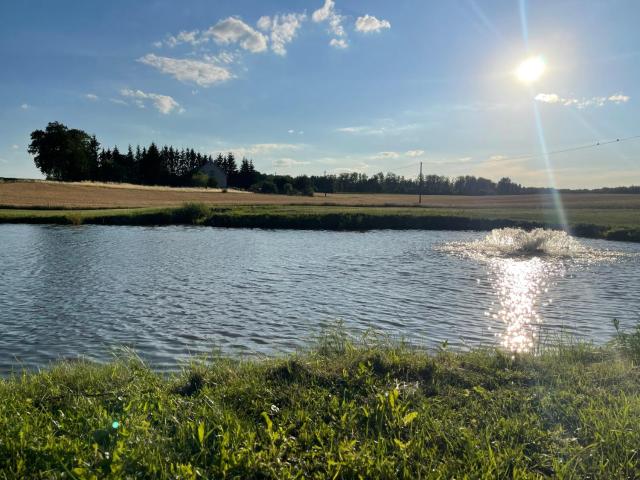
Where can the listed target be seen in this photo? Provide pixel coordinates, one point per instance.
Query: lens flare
(531, 69)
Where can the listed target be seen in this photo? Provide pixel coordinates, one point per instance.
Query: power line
(574, 149)
(541, 155)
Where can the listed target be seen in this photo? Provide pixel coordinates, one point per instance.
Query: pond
(171, 292)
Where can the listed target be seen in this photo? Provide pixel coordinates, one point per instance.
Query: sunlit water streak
(171, 292)
(523, 266)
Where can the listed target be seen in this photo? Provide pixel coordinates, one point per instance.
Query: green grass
(344, 409)
(616, 224)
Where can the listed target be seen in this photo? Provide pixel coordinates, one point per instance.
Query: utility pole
(420, 187)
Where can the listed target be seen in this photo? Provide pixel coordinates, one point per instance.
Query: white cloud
(91, 96)
(553, 98)
(619, 98)
(264, 23)
(370, 24)
(234, 30)
(338, 43)
(118, 101)
(548, 98)
(327, 13)
(323, 13)
(386, 155)
(414, 153)
(288, 162)
(163, 103)
(157, 44)
(15, 147)
(25, 106)
(204, 74)
(282, 28)
(291, 131)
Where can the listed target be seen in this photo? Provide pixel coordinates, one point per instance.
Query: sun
(531, 69)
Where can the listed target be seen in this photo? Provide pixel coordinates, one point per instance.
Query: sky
(315, 86)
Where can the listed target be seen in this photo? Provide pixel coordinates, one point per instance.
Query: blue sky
(346, 85)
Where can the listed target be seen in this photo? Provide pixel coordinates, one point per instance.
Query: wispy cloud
(163, 103)
(385, 155)
(25, 106)
(15, 147)
(385, 128)
(282, 29)
(265, 149)
(193, 37)
(327, 13)
(359, 167)
(554, 98)
(202, 73)
(91, 96)
(370, 24)
(414, 153)
(288, 162)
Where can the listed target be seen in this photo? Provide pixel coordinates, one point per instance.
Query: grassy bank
(613, 224)
(341, 410)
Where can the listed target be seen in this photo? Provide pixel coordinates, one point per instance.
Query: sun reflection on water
(523, 267)
(520, 286)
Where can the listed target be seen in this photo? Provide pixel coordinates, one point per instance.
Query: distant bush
(193, 213)
(287, 189)
(200, 180)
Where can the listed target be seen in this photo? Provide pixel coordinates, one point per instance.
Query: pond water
(171, 292)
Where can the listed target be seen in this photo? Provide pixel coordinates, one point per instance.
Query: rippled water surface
(173, 291)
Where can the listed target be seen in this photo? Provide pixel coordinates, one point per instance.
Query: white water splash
(515, 242)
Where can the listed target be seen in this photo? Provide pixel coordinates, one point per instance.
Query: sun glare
(531, 69)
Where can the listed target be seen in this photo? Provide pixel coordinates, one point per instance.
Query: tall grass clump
(370, 408)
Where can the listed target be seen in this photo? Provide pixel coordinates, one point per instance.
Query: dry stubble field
(39, 194)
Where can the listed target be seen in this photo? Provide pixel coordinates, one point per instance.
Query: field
(591, 215)
(29, 194)
(344, 409)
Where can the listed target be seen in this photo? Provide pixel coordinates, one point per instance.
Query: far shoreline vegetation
(344, 408)
(72, 155)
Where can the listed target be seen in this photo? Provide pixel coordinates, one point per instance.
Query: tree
(65, 154)
(247, 175)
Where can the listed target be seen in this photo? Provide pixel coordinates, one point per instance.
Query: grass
(612, 223)
(343, 409)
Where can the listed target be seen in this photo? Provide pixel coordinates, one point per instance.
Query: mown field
(42, 194)
(343, 409)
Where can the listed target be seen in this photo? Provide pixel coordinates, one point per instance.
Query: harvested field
(43, 194)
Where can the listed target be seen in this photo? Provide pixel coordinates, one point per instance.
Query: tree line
(66, 154)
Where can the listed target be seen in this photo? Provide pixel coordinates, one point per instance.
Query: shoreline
(320, 217)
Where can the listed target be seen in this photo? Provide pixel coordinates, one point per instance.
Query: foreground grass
(610, 223)
(342, 410)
